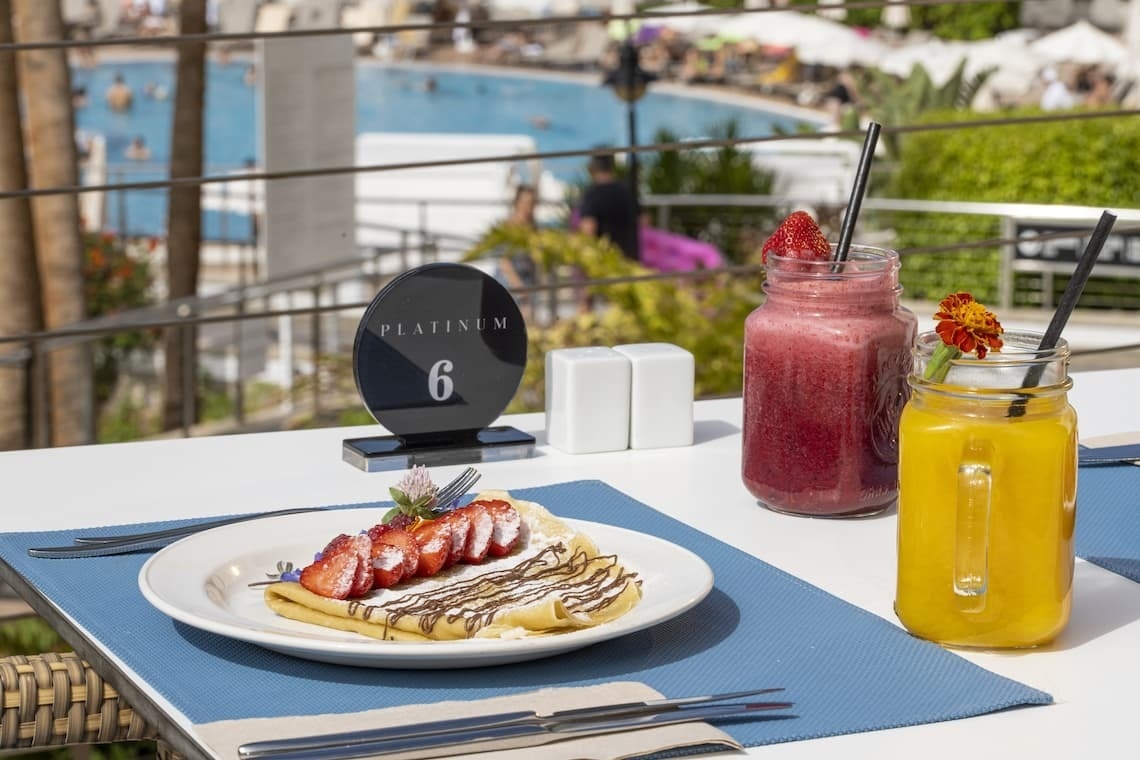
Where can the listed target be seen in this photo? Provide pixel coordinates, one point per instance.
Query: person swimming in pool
(119, 95)
(137, 150)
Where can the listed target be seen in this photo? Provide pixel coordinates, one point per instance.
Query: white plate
(203, 581)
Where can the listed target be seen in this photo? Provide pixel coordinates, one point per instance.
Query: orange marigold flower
(966, 324)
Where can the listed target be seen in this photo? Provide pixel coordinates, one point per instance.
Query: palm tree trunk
(184, 220)
(19, 281)
(50, 130)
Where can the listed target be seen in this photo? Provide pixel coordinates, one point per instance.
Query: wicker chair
(57, 699)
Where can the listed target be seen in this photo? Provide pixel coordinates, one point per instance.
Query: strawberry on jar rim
(797, 237)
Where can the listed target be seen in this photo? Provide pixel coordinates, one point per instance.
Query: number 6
(440, 385)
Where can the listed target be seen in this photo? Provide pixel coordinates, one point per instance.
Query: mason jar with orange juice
(987, 471)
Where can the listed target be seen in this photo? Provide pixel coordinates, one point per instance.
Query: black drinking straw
(862, 172)
(1068, 302)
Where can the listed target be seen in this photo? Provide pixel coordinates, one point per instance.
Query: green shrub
(869, 17)
(965, 21)
(30, 635)
(953, 21)
(116, 277)
(726, 170)
(705, 316)
(1093, 162)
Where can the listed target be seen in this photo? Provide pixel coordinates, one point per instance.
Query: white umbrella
(939, 58)
(815, 39)
(1007, 53)
(842, 51)
(690, 26)
(1081, 43)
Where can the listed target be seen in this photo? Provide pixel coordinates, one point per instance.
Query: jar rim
(862, 261)
(1019, 347)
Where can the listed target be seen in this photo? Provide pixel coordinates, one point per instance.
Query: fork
(444, 497)
(101, 546)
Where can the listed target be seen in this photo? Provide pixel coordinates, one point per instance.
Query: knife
(507, 730)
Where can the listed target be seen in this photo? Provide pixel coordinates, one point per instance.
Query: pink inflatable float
(670, 252)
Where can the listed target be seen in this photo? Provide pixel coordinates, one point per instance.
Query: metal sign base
(492, 444)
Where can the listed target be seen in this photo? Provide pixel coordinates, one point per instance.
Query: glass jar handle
(972, 523)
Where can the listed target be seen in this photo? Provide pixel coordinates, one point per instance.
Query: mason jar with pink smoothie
(826, 360)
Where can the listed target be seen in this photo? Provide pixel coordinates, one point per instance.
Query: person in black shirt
(608, 207)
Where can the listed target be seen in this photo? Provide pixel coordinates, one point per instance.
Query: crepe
(555, 580)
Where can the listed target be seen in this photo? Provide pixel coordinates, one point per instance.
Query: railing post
(376, 275)
(122, 203)
(286, 350)
(423, 231)
(555, 287)
(186, 333)
(316, 348)
(239, 327)
(404, 244)
(1005, 273)
(40, 417)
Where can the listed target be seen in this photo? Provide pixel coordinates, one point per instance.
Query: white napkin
(1116, 439)
(224, 737)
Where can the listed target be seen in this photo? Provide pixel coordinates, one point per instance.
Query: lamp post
(629, 83)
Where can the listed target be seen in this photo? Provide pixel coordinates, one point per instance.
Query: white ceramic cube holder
(661, 397)
(587, 400)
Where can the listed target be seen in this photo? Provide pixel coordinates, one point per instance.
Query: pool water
(575, 115)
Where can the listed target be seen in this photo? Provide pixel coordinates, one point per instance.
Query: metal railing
(344, 289)
(261, 300)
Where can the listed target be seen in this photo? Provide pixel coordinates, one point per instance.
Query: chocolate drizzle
(582, 583)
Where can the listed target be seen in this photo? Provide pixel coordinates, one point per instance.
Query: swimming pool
(575, 114)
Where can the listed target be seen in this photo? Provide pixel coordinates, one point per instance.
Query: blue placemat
(1108, 518)
(846, 669)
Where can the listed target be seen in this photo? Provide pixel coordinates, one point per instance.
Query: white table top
(1091, 670)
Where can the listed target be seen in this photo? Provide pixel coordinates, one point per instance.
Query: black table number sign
(439, 354)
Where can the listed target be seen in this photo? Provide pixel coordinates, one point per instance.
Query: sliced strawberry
(460, 525)
(401, 539)
(341, 540)
(434, 541)
(507, 526)
(364, 578)
(387, 564)
(362, 546)
(479, 537)
(797, 237)
(333, 574)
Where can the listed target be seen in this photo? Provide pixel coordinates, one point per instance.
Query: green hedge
(1093, 162)
(972, 21)
(953, 20)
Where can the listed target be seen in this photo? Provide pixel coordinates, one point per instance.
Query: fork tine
(460, 485)
(457, 487)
